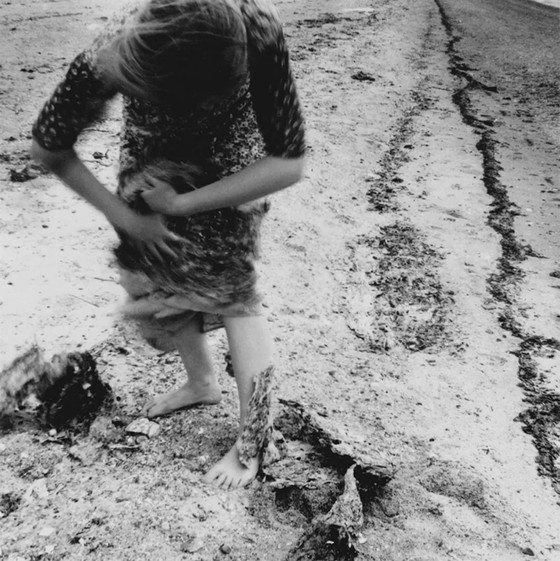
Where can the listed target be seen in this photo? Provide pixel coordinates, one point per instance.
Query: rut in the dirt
(382, 194)
(542, 418)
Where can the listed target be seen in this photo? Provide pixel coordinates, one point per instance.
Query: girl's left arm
(262, 178)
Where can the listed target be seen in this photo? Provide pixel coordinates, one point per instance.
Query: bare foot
(230, 473)
(186, 396)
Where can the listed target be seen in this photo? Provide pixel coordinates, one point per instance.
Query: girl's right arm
(77, 102)
(68, 167)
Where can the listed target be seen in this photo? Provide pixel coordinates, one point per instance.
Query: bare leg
(201, 387)
(251, 354)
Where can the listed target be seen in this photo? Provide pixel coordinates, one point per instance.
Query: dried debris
(258, 424)
(410, 305)
(385, 184)
(327, 479)
(65, 391)
(337, 534)
(9, 502)
(362, 76)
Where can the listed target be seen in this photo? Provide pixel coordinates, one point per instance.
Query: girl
(212, 124)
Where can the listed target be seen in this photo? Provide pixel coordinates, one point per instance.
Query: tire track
(541, 419)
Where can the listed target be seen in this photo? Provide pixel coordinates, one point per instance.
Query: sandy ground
(412, 286)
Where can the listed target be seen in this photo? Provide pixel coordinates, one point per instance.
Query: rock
(37, 490)
(363, 76)
(87, 453)
(192, 545)
(225, 549)
(46, 531)
(143, 426)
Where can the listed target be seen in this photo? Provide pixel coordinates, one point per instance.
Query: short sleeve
(273, 88)
(76, 103)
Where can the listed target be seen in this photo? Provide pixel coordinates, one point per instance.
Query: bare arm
(260, 179)
(70, 169)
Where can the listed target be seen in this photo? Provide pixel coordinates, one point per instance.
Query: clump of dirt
(411, 305)
(455, 481)
(21, 168)
(65, 392)
(9, 502)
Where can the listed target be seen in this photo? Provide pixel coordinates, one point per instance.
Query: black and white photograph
(280, 280)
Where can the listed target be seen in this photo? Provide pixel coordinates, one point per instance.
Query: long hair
(177, 51)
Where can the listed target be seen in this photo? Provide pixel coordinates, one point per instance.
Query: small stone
(143, 426)
(37, 490)
(86, 453)
(225, 549)
(528, 551)
(192, 545)
(46, 531)
(53, 432)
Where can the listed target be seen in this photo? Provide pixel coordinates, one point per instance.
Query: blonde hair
(177, 51)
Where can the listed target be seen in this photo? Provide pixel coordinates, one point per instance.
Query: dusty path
(379, 272)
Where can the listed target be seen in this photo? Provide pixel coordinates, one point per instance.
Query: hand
(162, 198)
(151, 231)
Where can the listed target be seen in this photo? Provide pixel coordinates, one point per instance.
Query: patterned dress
(215, 271)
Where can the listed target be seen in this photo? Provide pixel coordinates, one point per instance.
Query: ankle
(209, 383)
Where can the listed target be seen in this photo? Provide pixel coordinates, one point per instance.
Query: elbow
(49, 159)
(39, 154)
(297, 166)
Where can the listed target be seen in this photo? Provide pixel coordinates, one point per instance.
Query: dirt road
(411, 282)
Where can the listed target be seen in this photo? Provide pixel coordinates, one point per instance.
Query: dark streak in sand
(535, 28)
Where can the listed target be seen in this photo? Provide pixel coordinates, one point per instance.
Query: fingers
(165, 249)
(172, 237)
(154, 181)
(161, 250)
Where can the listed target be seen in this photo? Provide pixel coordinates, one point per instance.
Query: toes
(222, 481)
(147, 406)
(210, 476)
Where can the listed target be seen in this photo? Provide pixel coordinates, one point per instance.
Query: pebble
(85, 452)
(38, 489)
(192, 545)
(225, 549)
(143, 426)
(46, 531)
